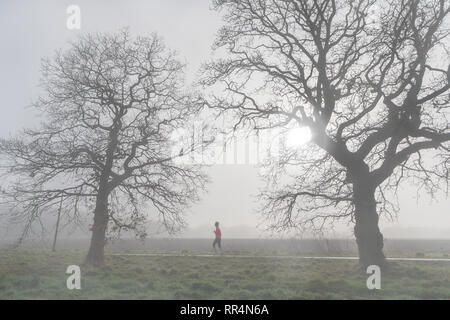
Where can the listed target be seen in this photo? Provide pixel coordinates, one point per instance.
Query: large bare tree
(110, 105)
(368, 78)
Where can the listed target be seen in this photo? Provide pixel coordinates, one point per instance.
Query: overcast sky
(31, 30)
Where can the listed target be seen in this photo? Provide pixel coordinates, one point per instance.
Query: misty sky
(31, 30)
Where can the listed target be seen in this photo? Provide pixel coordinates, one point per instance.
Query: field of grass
(27, 274)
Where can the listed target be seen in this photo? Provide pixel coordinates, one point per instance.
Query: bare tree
(373, 90)
(110, 106)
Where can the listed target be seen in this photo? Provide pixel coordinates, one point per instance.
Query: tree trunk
(96, 251)
(367, 233)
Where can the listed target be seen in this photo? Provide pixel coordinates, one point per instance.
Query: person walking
(218, 239)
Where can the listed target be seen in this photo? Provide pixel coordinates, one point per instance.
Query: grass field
(32, 274)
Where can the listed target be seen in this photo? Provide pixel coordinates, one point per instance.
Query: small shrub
(420, 254)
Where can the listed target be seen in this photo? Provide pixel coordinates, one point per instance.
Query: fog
(31, 30)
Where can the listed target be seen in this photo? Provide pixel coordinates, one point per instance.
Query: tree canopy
(373, 88)
(110, 105)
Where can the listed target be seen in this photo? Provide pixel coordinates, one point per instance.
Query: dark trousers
(217, 241)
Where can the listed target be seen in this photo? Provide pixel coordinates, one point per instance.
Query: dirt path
(267, 257)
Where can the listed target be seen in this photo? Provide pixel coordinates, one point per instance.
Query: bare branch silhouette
(373, 92)
(110, 107)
